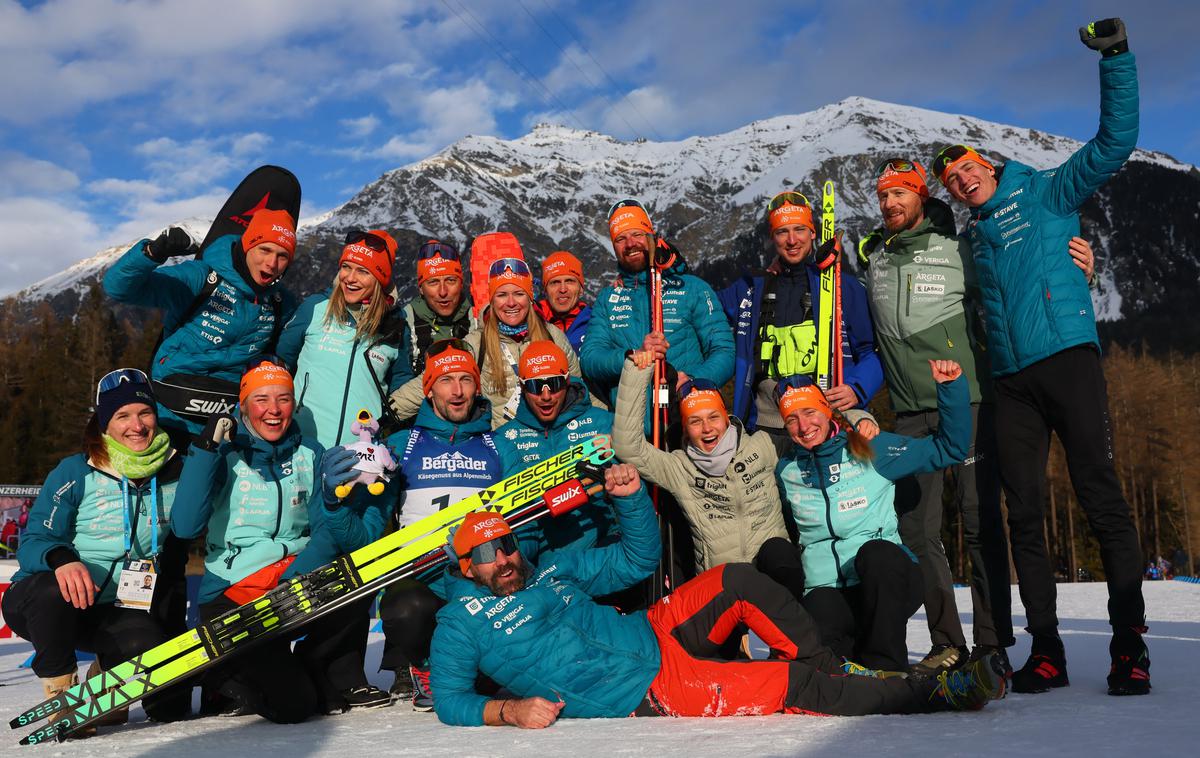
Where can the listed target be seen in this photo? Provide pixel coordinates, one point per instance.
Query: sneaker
(422, 695)
(854, 669)
(969, 687)
(1045, 669)
(402, 686)
(944, 657)
(366, 697)
(1000, 658)
(1130, 672)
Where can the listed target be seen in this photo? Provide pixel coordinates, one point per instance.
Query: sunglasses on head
(536, 385)
(486, 553)
(787, 198)
(435, 249)
(630, 203)
(899, 165)
(114, 379)
(515, 265)
(367, 240)
(441, 346)
(796, 381)
(948, 155)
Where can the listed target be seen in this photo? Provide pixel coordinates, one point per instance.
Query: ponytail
(860, 446)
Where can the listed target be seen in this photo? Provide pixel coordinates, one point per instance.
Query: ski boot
(1130, 672)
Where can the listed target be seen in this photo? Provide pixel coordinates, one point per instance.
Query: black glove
(174, 241)
(220, 428)
(829, 251)
(1107, 36)
(336, 468)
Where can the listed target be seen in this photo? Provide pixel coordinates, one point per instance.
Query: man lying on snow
(537, 632)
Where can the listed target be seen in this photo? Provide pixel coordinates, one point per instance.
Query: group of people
(808, 524)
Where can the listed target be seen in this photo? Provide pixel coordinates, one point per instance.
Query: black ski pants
(1065, 393)
(867, 622)
(408, 610)
(977, 494)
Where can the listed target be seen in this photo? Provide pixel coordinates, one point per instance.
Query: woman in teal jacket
(98, 513)
(347, 344)
(861, 583)
(266, 497)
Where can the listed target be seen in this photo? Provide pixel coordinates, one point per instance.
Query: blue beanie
(120, 396)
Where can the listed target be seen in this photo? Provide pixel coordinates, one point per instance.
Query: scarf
(716, 462)
(138, 465)
(517, 333)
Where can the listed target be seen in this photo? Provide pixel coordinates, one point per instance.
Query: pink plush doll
(375, 464)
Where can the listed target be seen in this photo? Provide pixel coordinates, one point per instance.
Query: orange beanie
(270, 226)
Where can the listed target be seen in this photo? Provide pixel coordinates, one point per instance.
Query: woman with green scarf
(97, 532)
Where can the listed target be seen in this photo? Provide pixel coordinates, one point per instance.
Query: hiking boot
(855, 669)
(115, 717)
(1130, 671)
(56, 685)
(402, 686)
(1045, 669)
(969, 687)
(1001, 658)
(422, 694)
(366, 697)
(944, 657)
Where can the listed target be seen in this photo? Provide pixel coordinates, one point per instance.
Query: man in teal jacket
(555, 413)
(1046, 363)
(696, 337)
(537, 631)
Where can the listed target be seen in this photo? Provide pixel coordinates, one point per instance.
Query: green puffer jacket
(731, 515)
(925, 306)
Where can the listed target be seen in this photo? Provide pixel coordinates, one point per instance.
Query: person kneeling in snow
(537, 632)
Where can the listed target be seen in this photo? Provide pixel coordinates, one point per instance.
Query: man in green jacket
(442, 310)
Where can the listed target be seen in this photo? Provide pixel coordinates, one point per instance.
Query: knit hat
(448, 361)
(477, 528)
(510, 271)
(561, 263)
(264, 373)
(267, 225)
(130, 387)
(543, 358)
(378, 262)
(436, 259)
(789, 213)
(799, 398)
(700, 400)
(628, 215)
(949, 157)
(912, 178)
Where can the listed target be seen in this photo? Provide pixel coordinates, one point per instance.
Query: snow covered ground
(1079, 720)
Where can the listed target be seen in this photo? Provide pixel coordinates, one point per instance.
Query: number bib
(438, 473)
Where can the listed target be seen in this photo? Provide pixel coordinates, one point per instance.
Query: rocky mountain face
(552, 188)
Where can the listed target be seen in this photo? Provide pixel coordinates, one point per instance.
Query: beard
(514, 582)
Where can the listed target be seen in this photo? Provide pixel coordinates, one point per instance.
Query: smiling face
(971, 183)
(901, 208)
(808, 427)
(793, 242)
(511, 304)
(267, 262)
(269, 411)
(443, 294)
(633, 250)
(503, 576)
(133, 425)
(356, 282)
(562, 292)
(547, 405)
(705, 428)
(453, 396)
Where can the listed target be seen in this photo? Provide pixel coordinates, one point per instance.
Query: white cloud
(40, 237)
(358, 128)
(22, 175)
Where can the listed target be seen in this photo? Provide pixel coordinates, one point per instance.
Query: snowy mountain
(553, 186)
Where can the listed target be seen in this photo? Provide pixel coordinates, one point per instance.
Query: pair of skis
(829, 330)
(554, 486)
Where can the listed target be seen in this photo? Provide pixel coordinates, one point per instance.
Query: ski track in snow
(1078, 720)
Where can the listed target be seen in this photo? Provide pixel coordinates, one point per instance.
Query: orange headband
(265, 374)
(477, 528)
(789, 213)
(701, 400)
(448, 361)
(543, 358)
(431, 268)
(799, 398)
(270, 226)
(378, 263)
(913, 181)
(629, 218)
(969, 155)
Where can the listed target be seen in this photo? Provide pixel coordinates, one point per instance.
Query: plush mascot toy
(375, 463)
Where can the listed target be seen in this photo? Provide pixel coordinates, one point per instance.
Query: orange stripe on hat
(698, 401)
(561, 263)
(913, 181)
(477, 528)
(789, 213)
(449, 361)
(629, 218)
(508, 276)
(798, 398)
(265, 374)
(969, 155)
(543, 358)
(270, 226)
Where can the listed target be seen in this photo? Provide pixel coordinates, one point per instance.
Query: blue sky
(119, 117)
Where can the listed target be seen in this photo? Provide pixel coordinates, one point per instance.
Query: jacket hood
(939, 219)
(423, 312)
(225, 256)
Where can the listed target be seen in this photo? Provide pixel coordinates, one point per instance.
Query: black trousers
(867, 622)
(977, 494)
(408, 610)
(780, 559)
(36, 611)
(287, 686)
(1065, 393)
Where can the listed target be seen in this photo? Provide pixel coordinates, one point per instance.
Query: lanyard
(125, 504)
